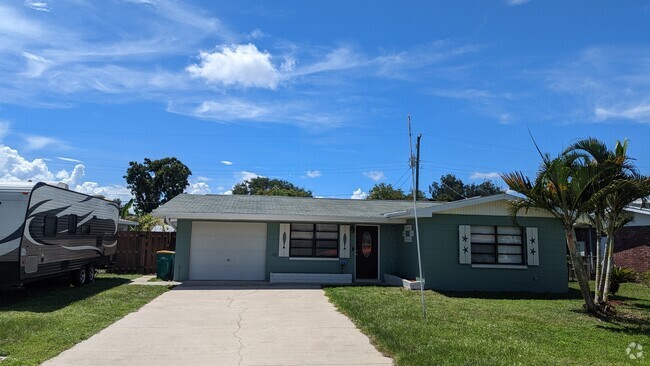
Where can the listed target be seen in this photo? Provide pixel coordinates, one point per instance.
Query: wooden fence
(136, 251)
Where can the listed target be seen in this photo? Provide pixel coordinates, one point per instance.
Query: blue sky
(316, 93)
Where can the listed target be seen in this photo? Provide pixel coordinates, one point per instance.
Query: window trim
(496, 246)
(314, 241)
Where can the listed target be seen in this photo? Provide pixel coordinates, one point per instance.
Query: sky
(316, 93)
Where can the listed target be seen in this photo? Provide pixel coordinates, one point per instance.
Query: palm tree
(565, 190)
(620, 185)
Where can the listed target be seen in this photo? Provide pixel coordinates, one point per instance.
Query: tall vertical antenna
(415, 215)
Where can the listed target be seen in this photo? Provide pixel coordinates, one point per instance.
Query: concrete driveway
(229, 325)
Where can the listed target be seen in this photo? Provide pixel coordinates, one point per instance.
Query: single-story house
(468, 245)
(126, 225)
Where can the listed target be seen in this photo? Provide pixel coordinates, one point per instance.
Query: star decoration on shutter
(465, 250)
(465, 239)
(533, 251)
(532, 240)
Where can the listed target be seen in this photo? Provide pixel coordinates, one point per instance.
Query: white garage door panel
(228, 251)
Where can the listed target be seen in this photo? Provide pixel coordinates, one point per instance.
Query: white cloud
(230, 110)
(226, 162)
(37, 5)
(4, 129)
(638, 112)
(40, 142)
(479, 175)
(228, 192)
(14, 167)
(359, 194)
(236, 65)
(257, 34)
(72, 178)
(244, 175)
(375, 175)
(110, 191)
(516, 2)
(198, 188)
(36, 65)
(314, 173)
(70, 160)
(203, 179)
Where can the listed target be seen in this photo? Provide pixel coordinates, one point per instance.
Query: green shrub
(621, 275)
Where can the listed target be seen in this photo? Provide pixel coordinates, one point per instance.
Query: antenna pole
(417, 166)
(415, 215)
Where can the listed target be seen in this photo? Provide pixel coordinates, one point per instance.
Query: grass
(497, 329)
(46, 318)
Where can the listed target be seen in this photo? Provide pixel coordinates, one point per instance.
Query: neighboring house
(468, 245)
(632, 241)
(126, 225)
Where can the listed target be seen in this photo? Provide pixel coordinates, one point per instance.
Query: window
(85, 229)
(314, 240)
(49, 225)
(72, 224)
(497, 245)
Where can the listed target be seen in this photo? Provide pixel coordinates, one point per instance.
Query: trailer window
(72, 224)
(49, 225)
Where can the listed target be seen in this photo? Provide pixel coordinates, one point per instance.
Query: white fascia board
(640, 211)
(427, 212)
(276, 218)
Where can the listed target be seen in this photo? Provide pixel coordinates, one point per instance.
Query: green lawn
(44, 319)
(496, 329)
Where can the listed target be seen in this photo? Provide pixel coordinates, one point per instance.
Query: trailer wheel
(79, 276)
(90, 273)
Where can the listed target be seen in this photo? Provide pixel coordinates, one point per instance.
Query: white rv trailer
(48, 231)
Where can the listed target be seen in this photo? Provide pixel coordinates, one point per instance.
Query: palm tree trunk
(598, 266)
(583, 280)
(600, 285)
(610, 265)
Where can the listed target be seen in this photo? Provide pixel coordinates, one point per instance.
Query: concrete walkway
(144, 280)
(229, 325)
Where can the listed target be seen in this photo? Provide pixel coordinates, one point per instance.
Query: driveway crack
(241, 344)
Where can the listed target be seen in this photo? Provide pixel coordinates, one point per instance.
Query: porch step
(320, 278)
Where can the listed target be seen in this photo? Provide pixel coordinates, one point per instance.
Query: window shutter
(465, 244)
(285, 238)
(532, 247)
(344, 241)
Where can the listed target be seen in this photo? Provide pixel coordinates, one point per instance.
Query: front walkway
(230, 325)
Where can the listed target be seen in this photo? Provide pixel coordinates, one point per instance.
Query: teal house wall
(442, 270)
(439, 243)
(182, 257)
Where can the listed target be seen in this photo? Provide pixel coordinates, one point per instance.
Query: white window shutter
(285, 238)
(344, 241)
(465, 244)
(532, 246)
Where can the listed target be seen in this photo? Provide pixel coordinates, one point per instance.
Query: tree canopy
(270, 187)
(155, 182)
(451, 188)
(384, 191)
(585, 181)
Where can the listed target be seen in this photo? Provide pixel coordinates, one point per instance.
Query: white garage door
(227, 251)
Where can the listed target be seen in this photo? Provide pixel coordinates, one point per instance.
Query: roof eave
(276, 218)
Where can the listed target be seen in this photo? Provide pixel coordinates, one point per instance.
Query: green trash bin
(165, 264)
